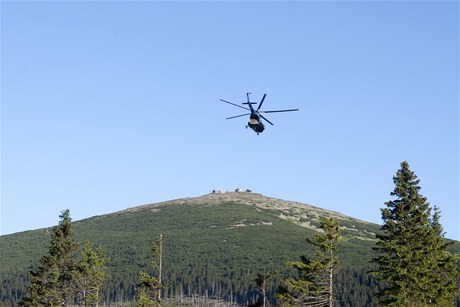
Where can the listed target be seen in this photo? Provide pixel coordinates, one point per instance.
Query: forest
(354, 286)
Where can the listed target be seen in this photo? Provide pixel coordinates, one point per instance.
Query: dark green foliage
(413, 261)
(52, 282)
(355, 286)
(313, 285)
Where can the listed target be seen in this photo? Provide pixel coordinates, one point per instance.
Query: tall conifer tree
(150, 286)
(313, 285)
(90, 274)
(52, 282)
(413, 261)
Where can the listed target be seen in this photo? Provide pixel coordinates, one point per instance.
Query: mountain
(214, 245)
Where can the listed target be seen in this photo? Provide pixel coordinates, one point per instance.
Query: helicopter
(255, 122)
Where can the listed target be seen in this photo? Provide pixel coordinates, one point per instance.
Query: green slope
(217, 241)
(213, 224)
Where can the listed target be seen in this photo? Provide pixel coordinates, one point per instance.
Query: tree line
(412, 266)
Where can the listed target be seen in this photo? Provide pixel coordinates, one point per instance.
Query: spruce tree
(150, 286)
(413, 261)
(313, 285)
(52, 282)
(90, 275)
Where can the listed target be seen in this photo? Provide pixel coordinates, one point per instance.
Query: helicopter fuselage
(255, 123)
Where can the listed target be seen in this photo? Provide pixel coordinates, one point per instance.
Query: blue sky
(110, 105)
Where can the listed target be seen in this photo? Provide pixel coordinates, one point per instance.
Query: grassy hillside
(231, 221)
(217, 241)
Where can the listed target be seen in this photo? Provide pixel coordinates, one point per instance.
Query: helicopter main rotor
(257, 111)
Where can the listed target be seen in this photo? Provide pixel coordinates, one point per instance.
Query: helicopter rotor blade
(238, 116)
(266, 119)
(234, 104)
(276, 111)
(261, 102)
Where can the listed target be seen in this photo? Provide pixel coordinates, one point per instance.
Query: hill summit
(300, 214)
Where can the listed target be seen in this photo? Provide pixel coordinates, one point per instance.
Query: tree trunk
(331, 272)
(161, 263)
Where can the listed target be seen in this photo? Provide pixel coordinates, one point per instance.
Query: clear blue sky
(110, 105)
